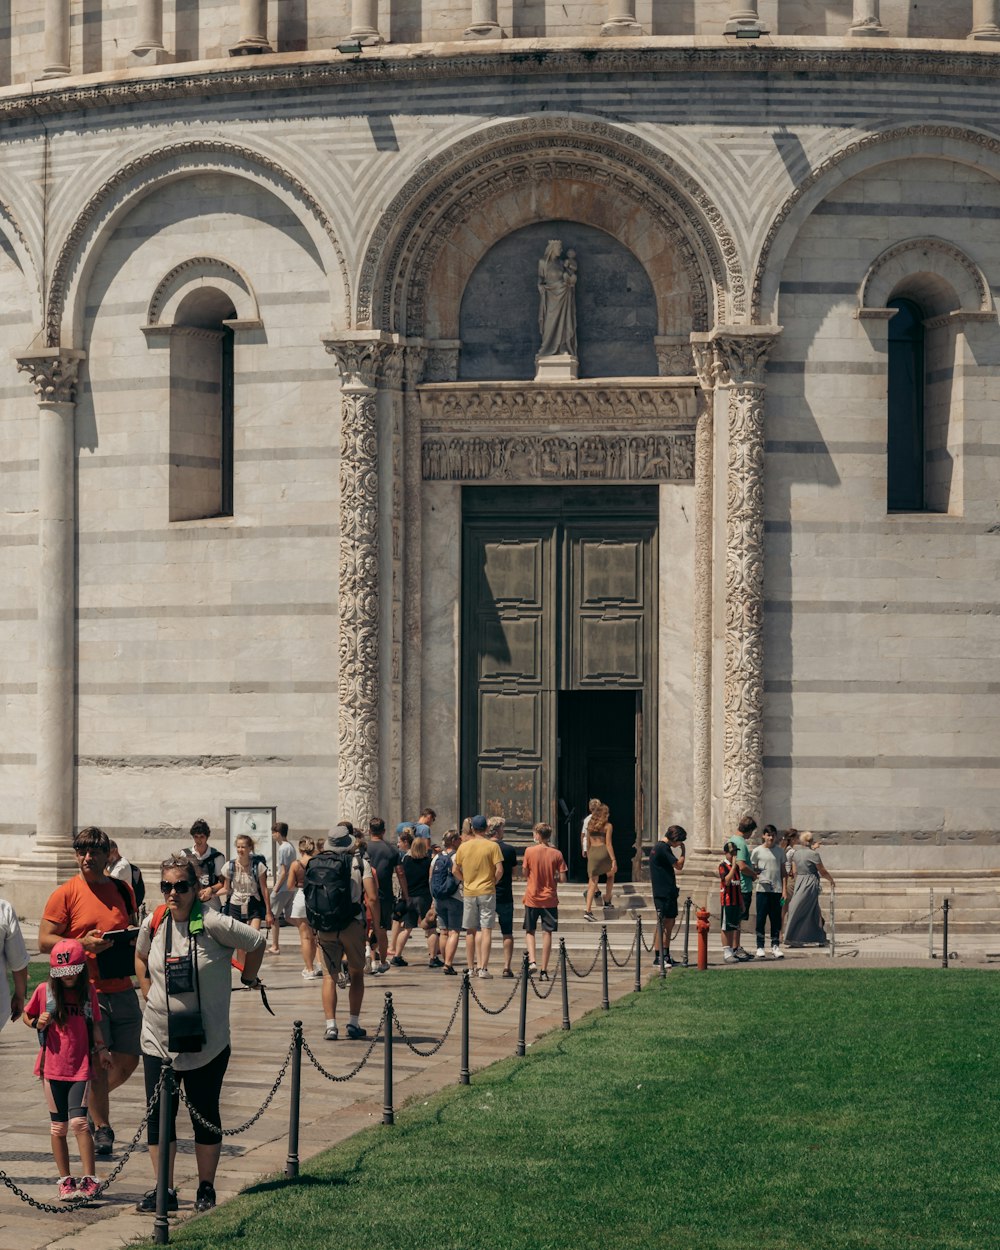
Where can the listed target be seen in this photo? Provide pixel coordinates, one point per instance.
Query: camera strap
(192, 956)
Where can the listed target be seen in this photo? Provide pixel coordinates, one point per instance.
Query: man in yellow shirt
(479, 866)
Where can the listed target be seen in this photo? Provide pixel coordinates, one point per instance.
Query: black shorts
(410, 914)
(385, 906)
(548, 916)
(254, 910)
(666, 905)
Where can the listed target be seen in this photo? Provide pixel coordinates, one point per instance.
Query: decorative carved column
(746, 20)
(866, 19)
(56, 39)
(416, 360)
(253, 29)
(704, 476)
(364, 22)
(360, 358)
(149, 49)
(392, 527)
(53, 374)
(484, 24)
(621, 19)
(741, 357)
(985, 19)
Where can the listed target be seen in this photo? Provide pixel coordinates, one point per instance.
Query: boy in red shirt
(732, 902)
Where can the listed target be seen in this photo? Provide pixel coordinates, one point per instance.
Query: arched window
(201, 406)
(905, 434)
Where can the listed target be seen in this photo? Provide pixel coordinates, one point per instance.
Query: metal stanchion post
(605, 997)
(522, 1016)
(388, 1115)
(564, 973)
(687, 927)
(833, 924)
(930, 928)
(161, 1225)
(463, 1071)
(638, 954)
(944, 932)
(292, 1162)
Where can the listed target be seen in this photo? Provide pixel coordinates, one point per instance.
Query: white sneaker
(331, 1033)
(777, 952)
(728, 955)
(760, 953)
(484, 975)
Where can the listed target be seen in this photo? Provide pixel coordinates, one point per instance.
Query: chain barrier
(426, 1054)
(497, 1011)
(50, 1208)
(623, 963)
(648, 947)
(235, 1132)
(330, 1076)
(593, 965)
(538, 993)
(870, 937)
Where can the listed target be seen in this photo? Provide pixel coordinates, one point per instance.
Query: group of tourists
(786, 873)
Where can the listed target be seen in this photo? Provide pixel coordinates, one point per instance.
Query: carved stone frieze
(53, 374)
(673, 356)
(740, 361)
(468, 407)
(536, 457)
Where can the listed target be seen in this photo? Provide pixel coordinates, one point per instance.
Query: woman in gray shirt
(183, 961)
(804, 925)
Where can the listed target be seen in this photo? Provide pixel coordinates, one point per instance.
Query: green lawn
(790, 1110)
(38, 970)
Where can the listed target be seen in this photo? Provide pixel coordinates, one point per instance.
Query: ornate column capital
(741, 353)
(705, 360)
(53, 372)
(363, 356)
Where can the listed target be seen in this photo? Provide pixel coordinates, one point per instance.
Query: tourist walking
(281, 894)
(731, 898)
(665, 861)
(446, 893)
(338, 882)
(385, 860)
(544, 867)
(479, 866)
(297, 911)
(65, 1011)
(119, 868)
(13, 959)
(245, 878)
(210, 864)
(789, 842)
(769, 862)
(85, 908)
(505, 891)
(744, 830)
(183, 961)
(600, 858)
(804, 926)
(415, 903)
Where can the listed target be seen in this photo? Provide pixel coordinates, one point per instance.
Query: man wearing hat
(479, 866)
(325, 875)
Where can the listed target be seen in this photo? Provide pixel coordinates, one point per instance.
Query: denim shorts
(449, 912)
(479, 912)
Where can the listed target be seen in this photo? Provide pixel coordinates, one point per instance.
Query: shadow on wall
(293, 26)
(615, 307)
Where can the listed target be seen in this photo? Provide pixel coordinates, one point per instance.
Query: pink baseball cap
(68, 958)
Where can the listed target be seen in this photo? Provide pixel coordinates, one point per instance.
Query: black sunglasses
(178, 887)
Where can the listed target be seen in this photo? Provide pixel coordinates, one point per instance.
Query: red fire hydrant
(703, 927)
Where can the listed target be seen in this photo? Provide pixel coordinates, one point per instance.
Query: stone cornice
(295, 72)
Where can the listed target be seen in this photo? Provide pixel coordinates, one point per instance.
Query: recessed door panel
(511, 724)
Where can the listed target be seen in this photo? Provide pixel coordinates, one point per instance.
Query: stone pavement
(424, 1001)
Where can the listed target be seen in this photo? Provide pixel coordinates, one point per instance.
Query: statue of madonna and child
(557, 355)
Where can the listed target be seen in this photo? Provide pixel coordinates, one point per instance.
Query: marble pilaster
(746, 20)
(361, 358)
(253, 29)
(56, 39)
(985, 19)
(866, 20)
(741, 357)
(415, 363)
(148, 48)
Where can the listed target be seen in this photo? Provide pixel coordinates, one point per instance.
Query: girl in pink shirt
(65, 1012)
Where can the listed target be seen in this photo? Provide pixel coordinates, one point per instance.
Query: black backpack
(328, 892)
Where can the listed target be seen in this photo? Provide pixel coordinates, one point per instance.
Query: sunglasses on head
(178, 887)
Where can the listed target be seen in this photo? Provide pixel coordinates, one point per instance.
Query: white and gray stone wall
(840, 670)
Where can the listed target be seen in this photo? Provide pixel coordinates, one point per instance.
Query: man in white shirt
(13, 959)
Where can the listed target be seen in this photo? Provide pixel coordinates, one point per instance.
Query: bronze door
(558, 595)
